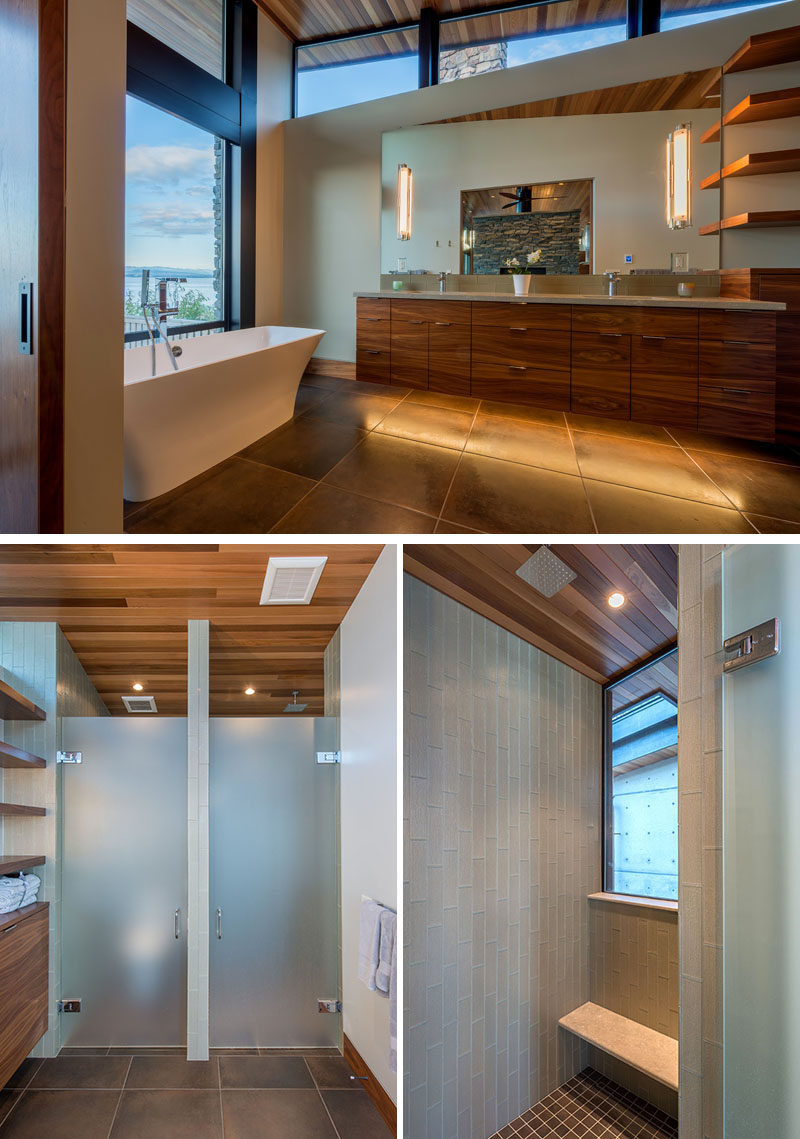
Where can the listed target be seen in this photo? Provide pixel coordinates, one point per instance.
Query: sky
(169, 187)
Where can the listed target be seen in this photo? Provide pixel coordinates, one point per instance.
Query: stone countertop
(728, 303)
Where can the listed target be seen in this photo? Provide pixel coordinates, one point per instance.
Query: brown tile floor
(364, 458)
(589, 1107)
(145, 1093)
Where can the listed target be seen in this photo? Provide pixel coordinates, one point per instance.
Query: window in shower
(641, 780)
(191, 165)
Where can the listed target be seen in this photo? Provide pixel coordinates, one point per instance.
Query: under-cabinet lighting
(679, 177)
(616, 600)
(404, 201)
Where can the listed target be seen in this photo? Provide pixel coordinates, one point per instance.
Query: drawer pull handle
(739, 342)
(516, 328)
(444, 323)
(611, 334)
(654, 338)
(738, 391)
(9, 928)
(516, 368)
(372, 318)
(373, 352)
(416, 322)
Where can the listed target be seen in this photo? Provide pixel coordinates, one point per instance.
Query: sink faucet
(613, 283)
(442, 282)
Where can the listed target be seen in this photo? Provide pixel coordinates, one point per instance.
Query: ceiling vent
(546, 573)
(291, 581)
(140, 703)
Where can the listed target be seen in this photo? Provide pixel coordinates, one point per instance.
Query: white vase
(522, 283)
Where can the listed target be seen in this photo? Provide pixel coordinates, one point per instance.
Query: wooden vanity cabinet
(373, 340)
(410, 353)
(24, 948)
(430, 343)
(521, 353)
(664, 380)
(601, 374)
(737, 374)
(449, 356)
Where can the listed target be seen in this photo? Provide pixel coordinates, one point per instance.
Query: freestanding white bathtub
(229, 390)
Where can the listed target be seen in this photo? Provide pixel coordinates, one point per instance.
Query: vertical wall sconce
(404, 201)
(679, 177)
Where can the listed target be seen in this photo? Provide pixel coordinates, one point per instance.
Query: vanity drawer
(530, 347)
(527, 314)
(664, 386)
(377, 307)
(409, 353)
(373, 364)
(738, 327)
(601, 374)
(514, 383)
(449, 358)
(23, 986)
(605, 318)
(373, 332)
(723, 360)
(745, 411)
(431, 312)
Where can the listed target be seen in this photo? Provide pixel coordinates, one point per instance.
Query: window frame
(608, 779)
(227, 108)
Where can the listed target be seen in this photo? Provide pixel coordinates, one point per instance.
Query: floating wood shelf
(18, 809)
(714, 88)
(11, 756)
(18, 915)
(758, 108)
(754, 219)
(9, 863)
(769, 49)
(15, 706)
(768, 162)
(651, 1052)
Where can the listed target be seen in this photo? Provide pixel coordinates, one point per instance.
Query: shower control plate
(759, 643)
(326, 1004)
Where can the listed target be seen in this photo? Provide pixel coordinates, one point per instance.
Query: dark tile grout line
(719, 488)
(322, 1100)
(119, 1099)
(456, 469)
(221, 1107)
(580, 473)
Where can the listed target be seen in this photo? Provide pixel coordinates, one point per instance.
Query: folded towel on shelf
(32, 884)
(369, 928)
(12, 892)
(388, 930)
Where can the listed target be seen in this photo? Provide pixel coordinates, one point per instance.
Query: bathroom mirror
(613, 165)
(512, 221)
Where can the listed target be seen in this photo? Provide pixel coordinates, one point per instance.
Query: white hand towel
(369, 926)
(12, 891)
(393, 1004)
(386, 951)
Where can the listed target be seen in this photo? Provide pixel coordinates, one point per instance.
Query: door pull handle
(373, 352)
(177, 924)
(645, 337)
(416, 322)
(444, 323)
(516, 368)
(219, 925)
(25, 318)
(372, 318)
(738, 391)
(513, 328)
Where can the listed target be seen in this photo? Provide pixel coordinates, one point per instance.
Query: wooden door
(449, 357)
(601, 374)
(664, 386)
(31, 265)
(410, 353)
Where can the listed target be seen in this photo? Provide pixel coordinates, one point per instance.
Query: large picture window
(190, 166)
(641, 780)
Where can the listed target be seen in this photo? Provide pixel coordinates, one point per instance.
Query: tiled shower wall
(700, 839)
(37, 660)
(634, 971)
(502, 803)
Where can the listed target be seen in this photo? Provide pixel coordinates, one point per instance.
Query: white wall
(625, 158)
(95, 250)
(369, 796)
(333, 160)
(274, 106)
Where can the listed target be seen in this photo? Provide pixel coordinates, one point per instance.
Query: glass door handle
(177, 924)
(219, 925)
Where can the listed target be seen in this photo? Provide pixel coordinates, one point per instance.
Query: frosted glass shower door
(762, 850)
(274, 915)
(124, 878)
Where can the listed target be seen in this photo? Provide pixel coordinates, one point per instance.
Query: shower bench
(634, 1044)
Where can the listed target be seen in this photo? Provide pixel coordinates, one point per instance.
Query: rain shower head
(545, 572)
(294, 706)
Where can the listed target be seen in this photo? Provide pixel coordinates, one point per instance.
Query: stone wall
(463, 62)
(557, 235)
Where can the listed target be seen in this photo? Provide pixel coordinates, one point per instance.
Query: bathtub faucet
(159, 311)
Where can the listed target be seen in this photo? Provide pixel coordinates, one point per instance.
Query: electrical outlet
(73, 1005)
(326, 1004)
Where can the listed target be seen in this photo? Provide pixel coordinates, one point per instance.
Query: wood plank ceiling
(577, 625)
(124, 609)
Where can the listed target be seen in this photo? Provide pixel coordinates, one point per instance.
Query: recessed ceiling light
(616, 600)
(249, 691)
(137, 687)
